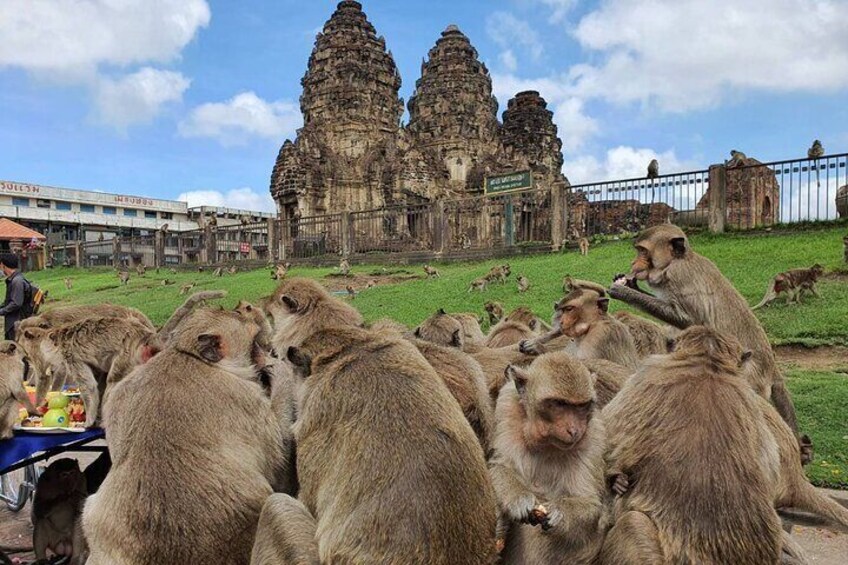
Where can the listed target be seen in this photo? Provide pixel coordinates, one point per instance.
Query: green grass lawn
(749, 261)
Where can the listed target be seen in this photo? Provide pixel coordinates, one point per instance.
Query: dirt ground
(829, 358)
(339, 283)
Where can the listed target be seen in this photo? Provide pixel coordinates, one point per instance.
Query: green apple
(57, 401)
(55, 418)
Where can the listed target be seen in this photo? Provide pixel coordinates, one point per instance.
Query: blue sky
(194, 97)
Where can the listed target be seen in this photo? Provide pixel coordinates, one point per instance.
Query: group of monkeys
(499, 273)
(291, 432)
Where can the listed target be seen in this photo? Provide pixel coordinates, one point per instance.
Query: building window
(167, 216)
(87, 208)
(63, 206)
(42, 203)
(130, 212)
(110, 210)
(150, 215)
(23, 202)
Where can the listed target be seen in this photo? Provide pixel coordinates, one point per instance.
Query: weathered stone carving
(753, 195)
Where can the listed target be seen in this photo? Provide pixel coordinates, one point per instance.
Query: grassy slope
(749, 261)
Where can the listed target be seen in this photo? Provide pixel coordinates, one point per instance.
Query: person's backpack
(34, 297)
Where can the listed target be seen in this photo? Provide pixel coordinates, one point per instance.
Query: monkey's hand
(806, 446)
(552, 516)
(619, 484)
(620, 279)
(531, 347)
(523, 509)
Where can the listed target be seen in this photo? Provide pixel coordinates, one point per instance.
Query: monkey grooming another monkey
(56, 507)
(13, 371)
(793, 284)
(548, 466)
(690, 462)
(373, 392)
(584, 246)
(494, 310)
(300, 307)
(196, 451)
(692, 291)
(583, 316)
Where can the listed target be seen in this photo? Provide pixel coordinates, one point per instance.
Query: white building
(64, 214)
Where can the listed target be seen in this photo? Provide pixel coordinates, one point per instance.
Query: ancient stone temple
(352, 152)
(753, 195)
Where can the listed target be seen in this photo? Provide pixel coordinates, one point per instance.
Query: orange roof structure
(10, 230)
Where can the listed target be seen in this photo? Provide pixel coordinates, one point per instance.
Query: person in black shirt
(11, 310)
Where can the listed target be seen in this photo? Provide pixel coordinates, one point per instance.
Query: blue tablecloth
(25, 444)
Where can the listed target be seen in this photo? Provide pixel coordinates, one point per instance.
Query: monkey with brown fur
(64, 315)
(285, 534)
(300, 307)
(508, 332)
(494, 310)
(692, 291)
(124, 277)
(140, 269)
(724, 474)
(471, 332)
(583, 244)
(374, 392)
(219, 272)
(583, 316)
(432, 272)
(649, 337)
(255, 314)
(523, 284)
(281, 271)
(13, 371)
(56, 507)
(793, 283)
(498, 273)
(186, 288)
(478, 284)
(69, 283)
(526, 316)
(208, 375)
(344, 267)
(548, 467)
(351, 292)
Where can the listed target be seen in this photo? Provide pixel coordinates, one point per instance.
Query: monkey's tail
(811, 500)
(770, 295)
(187, 307)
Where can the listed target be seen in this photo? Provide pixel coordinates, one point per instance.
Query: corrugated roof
(13, 230)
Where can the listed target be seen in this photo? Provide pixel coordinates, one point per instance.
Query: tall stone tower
(530, 138)
(351, 115)
(452, 112)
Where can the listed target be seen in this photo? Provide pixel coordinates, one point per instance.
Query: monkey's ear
(29, 334)
(300, 360)
(670, 344)
(746, 357)
(290, 302)
(8, 346)
(678, 246)
(518, 378)
(210, 347)
(441, 312)
(417, 332)
(456, 338)
(603, 304)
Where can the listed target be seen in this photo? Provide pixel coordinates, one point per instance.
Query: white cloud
(240, 198)
(559, 9)
(574, 126)
(137, 98)
(622, 162)
(77, 36)
(240, 117)
(681, 55)
(511, 33)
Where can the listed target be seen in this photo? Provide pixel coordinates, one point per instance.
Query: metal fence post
(718, 198)
(347, 234)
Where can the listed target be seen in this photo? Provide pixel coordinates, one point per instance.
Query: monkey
(692, 291)
(494, 310)
(206, 376)
(69, 284)
(140, 269)
(64, 315)
(471, 331)
(213, 220)
(583, 244)
(737, 159)
(609, 379)
(344, 267)
(371, 284)
(300, 307)
(351, 292)
(13, 370)
(525, 315)
(649, 337)
(509, 332)
(478, 284)
(432, 272)
(263, 338)
(164, 229)
(200, 268)
(194, 301)
(653, 169)
(583, 316)
(285, 533)
(124, 277)
(281, 271)
(186, 288)
(172, 270)
(793, 283)
(523, 284)
(690, 464)
(375, 391)
(498, 273)
(548, 466)
(232, 270)
(219, 272)
(60, 493)
(816, 151)
(466, 382)
(168, 282)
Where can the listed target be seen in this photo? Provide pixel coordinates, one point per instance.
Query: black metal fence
(312, 237)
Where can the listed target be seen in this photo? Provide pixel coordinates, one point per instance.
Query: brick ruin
(753, 195)
(352, 152)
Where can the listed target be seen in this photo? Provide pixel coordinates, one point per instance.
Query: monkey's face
(13, 361)
(556, 413)
(577, 312)
(441, 329)
(656, 250)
